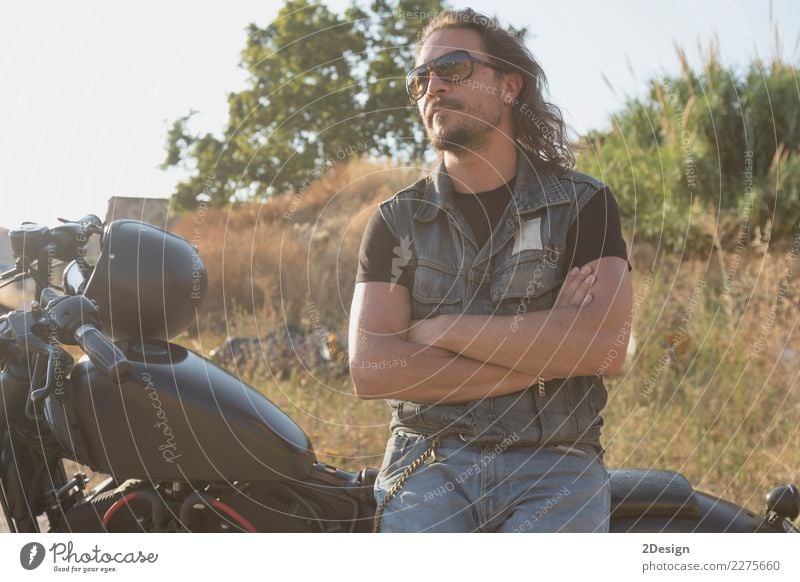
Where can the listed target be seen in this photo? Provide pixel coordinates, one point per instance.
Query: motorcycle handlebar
(48, 296)
(108, 358)
(76, 317)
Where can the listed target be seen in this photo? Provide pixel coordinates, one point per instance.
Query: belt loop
(419, 413)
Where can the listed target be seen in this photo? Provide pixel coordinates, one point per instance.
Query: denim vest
(520, 269)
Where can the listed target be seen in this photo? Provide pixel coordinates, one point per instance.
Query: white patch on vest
(529, 236)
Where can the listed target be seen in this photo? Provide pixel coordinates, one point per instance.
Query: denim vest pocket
(570, 407)
(431, 418)
(515, 414)
(528, 279)
(556, 414)
(436, 290)
(588, 396)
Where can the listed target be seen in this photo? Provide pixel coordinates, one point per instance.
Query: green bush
(706, 155)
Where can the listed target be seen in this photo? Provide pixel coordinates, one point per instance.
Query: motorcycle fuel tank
(181, 417)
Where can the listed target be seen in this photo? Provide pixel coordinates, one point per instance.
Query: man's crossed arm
(459, 358)
(556, 343)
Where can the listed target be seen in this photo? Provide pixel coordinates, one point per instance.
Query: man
(470, 276)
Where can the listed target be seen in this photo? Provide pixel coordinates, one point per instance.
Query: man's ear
(511, 87)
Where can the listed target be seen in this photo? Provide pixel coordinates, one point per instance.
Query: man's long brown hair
(539, 126)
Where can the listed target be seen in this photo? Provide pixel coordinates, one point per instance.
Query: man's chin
(444, 145)
(439, 124)
(453, 141)
(440, 115)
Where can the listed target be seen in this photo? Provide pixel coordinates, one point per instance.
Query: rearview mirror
(74, 280)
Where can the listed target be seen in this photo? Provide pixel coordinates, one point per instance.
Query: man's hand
(575, 289)
(574, 293)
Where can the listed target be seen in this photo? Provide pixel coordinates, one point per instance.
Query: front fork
(4, 503)
(13, 485)
(31, 483)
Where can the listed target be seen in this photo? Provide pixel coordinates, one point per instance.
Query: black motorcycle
(186, 445)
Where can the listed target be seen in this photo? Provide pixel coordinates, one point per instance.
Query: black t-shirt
(595, 233)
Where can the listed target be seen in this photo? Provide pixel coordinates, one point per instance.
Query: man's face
(462, 115)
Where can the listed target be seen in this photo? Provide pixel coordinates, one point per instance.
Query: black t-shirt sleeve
(378, 249)
(597, 232)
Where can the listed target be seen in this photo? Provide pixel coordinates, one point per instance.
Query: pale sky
(89, 87)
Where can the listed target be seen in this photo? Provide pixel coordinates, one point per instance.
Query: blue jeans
(493, 488)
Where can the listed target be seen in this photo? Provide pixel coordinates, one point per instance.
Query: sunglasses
(452, 67)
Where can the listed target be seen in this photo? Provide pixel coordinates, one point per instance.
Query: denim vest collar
(535, 188)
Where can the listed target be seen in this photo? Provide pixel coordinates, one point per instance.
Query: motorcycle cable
(11, 276)
(35, 247)
(200, 499)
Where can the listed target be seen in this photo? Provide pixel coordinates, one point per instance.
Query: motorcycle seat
(639, 492)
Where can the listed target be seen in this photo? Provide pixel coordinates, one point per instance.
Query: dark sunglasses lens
(453, 68)
(417, 83)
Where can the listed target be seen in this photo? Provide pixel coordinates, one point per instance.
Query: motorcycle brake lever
(56, 359)
(90, 223)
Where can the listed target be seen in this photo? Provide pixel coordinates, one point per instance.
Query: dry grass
(713, 390)
(271, 259)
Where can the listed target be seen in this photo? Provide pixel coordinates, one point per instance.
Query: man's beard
(464, 130)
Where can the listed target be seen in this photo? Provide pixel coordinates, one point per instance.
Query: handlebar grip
(48, 296)
(108, 358)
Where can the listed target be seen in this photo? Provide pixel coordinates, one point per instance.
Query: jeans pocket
(394, 449)
(397, 449)
(401, 449)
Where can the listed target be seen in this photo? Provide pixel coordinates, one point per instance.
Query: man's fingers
(566, 286)
(575, 287)
(583, 290)
(570, 283)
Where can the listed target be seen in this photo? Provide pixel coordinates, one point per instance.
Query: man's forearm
(564, 341)
(555, 343)
(431, 374)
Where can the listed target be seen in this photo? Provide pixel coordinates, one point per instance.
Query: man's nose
(437, 85)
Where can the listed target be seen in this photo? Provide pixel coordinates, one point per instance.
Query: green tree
(322, 88)
(294, 115)
(391, 29)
